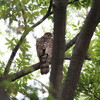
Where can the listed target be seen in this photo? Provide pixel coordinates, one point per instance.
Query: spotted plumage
(44, 51)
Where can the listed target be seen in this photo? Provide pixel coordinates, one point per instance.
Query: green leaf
(20, 55)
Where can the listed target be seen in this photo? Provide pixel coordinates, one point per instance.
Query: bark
(71, 42)
(80, 50)
(24, 72)
(3, 94)
(58, 47)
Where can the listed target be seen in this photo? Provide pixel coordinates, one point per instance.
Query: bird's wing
(39, 47)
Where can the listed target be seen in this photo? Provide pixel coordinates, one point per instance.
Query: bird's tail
(44, 68)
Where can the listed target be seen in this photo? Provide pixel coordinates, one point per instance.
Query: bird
(44, 47)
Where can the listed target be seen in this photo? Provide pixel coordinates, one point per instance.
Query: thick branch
(3, 94)
(71, 42)
(22, 38)
(24, 72)
(80, 50)
(58, 47)
(32, 68)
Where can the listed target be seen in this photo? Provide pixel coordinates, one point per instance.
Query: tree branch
(49, 12)
(23, 14)
(27, 30)
(24, 72)
(58, 48)
(3, 93)
(71, 42)
(80, 50)
(32, 68)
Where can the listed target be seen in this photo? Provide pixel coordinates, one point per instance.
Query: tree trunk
(58, 47)
(3, 94)
(80, 50)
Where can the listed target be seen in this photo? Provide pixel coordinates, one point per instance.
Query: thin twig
(23, 14)
(46, 87)
(49, 12)
(24, 72)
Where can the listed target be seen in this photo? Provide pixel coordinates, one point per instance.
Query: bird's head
(48, 34)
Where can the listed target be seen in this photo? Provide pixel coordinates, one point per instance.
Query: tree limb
(58, 48)
(71, 42)
(80, 50)
(24, 72)
(32, 68)
(27, 30)
(3, 94)
(49, 12)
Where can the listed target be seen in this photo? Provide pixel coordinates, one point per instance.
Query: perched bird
(44, 51)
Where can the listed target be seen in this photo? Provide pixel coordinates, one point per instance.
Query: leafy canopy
(27, 12)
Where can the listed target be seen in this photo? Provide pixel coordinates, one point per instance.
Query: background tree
(16, 70)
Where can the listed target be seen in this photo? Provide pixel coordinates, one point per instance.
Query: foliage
(81, 3)
(22, 12)
(29, 11)
(88, 86)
